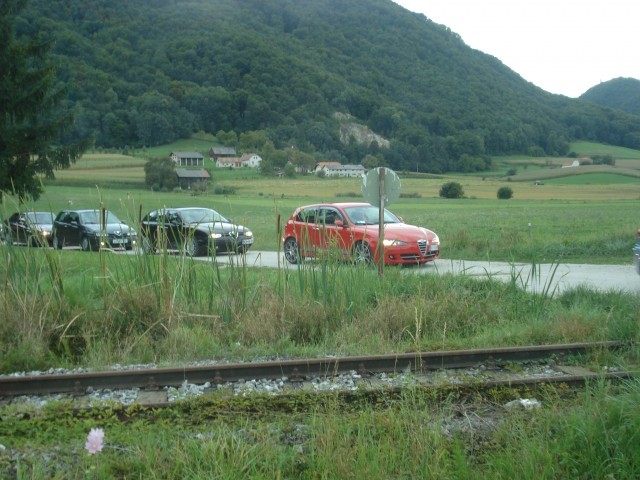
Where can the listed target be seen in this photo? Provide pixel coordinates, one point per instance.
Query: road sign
(381, 185)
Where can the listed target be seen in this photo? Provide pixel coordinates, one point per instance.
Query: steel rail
(293, 370)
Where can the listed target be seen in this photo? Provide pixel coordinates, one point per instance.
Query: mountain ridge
(146, 73)
(620, 93)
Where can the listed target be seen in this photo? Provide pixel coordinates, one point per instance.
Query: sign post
(381, 194)
(381, 187)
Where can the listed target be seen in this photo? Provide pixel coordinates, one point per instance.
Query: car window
(328, 216)
(94, 217)
(40, 217)
(151, 216)
(307, 215)
(365, 215)
(202, 215)
(369, 215)
(89, 218)
(173, 217)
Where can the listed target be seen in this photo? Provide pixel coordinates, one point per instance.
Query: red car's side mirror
(339, 223)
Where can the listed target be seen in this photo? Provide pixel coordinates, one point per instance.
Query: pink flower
(94, 441)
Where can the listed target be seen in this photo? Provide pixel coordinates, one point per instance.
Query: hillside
(142, 74)
(619, 93)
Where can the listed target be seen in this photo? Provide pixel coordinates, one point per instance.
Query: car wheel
(191, 246)
(57, 244)
(85, 244)
(291, 250)
(362, 253)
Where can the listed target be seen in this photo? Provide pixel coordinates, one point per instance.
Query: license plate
(117, 241)
(247, 241)
(434, 248)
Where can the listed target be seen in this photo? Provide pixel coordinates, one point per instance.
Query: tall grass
(76, 308)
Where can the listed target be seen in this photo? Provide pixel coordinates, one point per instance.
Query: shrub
(451, 190)
(160, 174)
(505, 193)
(220, 189)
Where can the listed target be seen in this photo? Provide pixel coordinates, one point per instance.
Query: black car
(194, 231)
(29, 228)
(92, 230)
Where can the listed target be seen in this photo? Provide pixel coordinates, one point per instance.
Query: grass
(593, 435)
(69, 308)
(595, 179)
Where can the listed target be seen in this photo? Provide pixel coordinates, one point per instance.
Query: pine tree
(32, 113)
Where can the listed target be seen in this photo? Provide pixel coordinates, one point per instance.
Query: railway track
(487, 368)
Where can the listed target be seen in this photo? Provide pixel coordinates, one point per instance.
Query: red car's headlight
(393, 243)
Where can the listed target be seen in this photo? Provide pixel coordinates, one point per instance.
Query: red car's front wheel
(362, 253)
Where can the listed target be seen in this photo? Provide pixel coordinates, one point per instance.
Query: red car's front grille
(422, 245)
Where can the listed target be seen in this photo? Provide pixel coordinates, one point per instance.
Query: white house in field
(335, 169)
(247, 160)
(575, 163)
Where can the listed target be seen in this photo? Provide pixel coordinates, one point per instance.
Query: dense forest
(619, 93)
(143, 73)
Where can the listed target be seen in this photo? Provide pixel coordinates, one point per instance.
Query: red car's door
(307, 231)
(334, 238)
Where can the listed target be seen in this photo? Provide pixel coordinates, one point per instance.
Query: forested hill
(620, 93)
(143, 73)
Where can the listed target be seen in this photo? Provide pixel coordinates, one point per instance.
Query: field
(606, 183)
(583, 214)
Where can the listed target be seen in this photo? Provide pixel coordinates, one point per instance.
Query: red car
(350, 230)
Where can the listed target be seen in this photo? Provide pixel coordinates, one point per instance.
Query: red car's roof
(338, 204)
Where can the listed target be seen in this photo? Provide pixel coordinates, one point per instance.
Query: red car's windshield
(368, 215)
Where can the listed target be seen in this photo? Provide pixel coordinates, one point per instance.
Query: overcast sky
(562, 46)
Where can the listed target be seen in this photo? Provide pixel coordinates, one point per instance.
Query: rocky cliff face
(350, 130)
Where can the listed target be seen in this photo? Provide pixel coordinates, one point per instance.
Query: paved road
(547, 278)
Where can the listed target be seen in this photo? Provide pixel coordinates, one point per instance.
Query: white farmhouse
(248, 160)
(575, 163)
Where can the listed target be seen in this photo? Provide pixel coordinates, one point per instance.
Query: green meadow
(585, 214)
